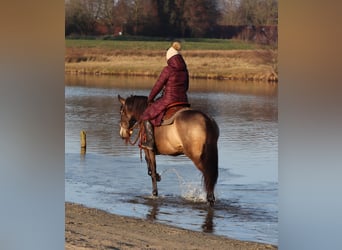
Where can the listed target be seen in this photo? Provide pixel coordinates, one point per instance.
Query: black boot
(149, 143)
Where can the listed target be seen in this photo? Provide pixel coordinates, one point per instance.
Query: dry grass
(256, 65)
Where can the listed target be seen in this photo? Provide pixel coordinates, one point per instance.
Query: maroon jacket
(174, 81)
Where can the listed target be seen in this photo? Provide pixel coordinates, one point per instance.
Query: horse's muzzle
(125, 133)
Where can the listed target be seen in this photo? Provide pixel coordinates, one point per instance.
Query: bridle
(136, 124)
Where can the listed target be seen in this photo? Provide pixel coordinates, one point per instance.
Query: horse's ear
(121, 100)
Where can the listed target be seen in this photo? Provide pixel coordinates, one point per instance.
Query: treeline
(166, 18)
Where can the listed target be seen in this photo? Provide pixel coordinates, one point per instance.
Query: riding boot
(149, 143)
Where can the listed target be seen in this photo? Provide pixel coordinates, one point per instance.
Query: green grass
(188, 44)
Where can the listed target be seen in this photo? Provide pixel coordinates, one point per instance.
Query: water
(111, 175)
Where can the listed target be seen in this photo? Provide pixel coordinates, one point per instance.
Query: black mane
(136, 104)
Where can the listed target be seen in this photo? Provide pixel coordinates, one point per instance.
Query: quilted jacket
(173, 83)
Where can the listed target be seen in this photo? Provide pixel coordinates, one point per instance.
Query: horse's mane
(136, 104)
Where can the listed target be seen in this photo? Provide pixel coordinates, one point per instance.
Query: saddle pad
(171, 113)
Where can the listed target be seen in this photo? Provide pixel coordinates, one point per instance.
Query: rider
(174, 83)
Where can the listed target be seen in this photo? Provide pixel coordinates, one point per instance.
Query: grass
(188, 44)
(206, 58)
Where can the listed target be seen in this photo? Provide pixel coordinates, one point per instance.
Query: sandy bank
(87, 228)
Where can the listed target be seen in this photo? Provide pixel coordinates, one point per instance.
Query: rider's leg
(149, 143)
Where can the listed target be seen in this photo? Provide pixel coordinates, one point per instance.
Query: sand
(89, 228)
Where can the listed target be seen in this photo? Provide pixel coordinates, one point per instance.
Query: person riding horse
(174, 84)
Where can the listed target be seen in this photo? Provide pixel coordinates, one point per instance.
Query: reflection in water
(153, 211)
(156, 206)
(208, 225)
(160, 209)
(109, 170)
(196, 85)
(83, 152)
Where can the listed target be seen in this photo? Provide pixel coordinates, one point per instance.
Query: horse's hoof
(211, 200)
(155, 193)
(158, 177)
(211, 203)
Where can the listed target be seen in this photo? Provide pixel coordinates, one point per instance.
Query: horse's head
(127, 119)
(130, 112)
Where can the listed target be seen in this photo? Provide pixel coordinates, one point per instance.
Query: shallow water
(112, 177)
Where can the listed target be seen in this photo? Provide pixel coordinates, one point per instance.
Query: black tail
(209, 156)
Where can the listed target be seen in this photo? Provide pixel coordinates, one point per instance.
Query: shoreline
(245, 77)
(91, 228)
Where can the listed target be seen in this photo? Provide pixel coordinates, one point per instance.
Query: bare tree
(105, 14)
(258, 12)
(228, 9)
(195, 18)
(120, 14)
(79, 17)
(249, 12)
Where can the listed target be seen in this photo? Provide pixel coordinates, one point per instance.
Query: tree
(186, 17)
(120, 14)
(78, 18)
(249, 12)
(105, 14)
(151, 25)
(228, 11)
(168, 18)
(82, 16)
(258, 12)
(200, 16)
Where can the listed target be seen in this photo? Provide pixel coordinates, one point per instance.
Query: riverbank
(229, 64)
(88, 228)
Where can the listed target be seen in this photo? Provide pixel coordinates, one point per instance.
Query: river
(111, 176)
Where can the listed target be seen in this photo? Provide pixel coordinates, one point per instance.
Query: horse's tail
(209, 156)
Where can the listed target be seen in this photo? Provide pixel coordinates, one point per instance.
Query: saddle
(171, 110)
(165, 118)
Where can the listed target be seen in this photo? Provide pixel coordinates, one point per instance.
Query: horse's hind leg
(211, 198)
(152, 170)
(207, 163)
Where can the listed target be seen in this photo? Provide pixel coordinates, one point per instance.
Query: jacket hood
(177, 62)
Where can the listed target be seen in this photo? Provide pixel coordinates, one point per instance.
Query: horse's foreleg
(152, 170)
(149, 168)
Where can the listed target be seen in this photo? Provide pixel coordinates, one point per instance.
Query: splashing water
(193, 192)
(190, 191)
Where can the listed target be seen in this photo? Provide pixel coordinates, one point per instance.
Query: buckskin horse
(191, 133)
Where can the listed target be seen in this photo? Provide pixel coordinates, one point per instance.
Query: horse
(192, 133)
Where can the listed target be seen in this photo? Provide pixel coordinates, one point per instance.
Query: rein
(137, 124)
(139, 136)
